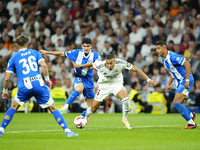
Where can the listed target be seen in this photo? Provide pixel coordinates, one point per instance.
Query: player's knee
(80, 90)
(52, 108)
(7, 117)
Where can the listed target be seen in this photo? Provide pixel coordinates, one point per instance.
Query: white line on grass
(94, 128)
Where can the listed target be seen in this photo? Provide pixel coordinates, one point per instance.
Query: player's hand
(48, 83)
(152, 83)
(4, 95)
(168, 88)
(187, 85)
(42, 51)
(76, 65)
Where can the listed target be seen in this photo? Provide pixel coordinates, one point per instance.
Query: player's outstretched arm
(46, 73)
(84, 65)
(5, 85)
(140, 72)
(56, 53)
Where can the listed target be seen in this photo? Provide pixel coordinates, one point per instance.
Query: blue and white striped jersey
(25, 63)
(78, 56)
(174, 64)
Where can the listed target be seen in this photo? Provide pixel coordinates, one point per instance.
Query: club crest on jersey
(128, 64)
(116, 70)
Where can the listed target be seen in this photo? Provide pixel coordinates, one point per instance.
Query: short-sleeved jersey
(78, 57)
(174, 64)
(25, 63)
(114, 75)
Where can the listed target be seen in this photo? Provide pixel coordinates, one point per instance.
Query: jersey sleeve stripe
(66, 55)
(9, 71)
(40, 60)
(183, 62)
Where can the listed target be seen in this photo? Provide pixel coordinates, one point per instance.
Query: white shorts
(106, 89)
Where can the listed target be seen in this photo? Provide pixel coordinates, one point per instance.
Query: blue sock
(72, 97)
(9, 115)
(59, 119)
(83, 114)
(181, 109)
(187, 109)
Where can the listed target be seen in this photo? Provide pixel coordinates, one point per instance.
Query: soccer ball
(80, 122)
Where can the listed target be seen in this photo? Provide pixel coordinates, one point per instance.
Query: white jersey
(114, 75)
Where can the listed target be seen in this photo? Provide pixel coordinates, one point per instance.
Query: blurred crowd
(127, 28)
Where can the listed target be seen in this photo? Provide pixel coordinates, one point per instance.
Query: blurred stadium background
(127, 28)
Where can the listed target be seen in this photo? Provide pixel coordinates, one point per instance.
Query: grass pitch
(39, 131)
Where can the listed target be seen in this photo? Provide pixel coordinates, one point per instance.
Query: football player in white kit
(111, 82)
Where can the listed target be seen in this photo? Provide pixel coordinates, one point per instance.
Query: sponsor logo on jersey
(116, 70)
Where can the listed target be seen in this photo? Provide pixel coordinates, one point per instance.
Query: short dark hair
(133, 85)
(110, 56)
(41, 30)
(157, 85)
(113, 35)
(171, 41)
(155, 55)
(86, 40)
(156, 68)
(22, 40)
(161, 43)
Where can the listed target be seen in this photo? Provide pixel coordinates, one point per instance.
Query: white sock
(191, 122)
(67, 130)
(2, 129)
(88, 113)
(191, 114)
(125, 107)
(66, 106)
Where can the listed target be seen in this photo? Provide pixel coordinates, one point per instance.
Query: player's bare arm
(168, 87)
(186, 64)
(84, 65)
(56, 53)
(5, 85)
(140, 72)
(46, 73)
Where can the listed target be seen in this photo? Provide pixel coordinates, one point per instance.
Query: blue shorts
(41, 94)
(88, 92)
(181, 88)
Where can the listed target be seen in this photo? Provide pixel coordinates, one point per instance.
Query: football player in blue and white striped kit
(83, 81)
(25, 63)
(180, 72)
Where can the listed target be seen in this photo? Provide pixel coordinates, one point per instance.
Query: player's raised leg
(8, 116)
(92, 109)
(122, 95)
(179, 98)
(89, 104)
(89, 94)
(72, 97)
(61, 121)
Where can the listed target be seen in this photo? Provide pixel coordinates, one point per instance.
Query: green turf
(103, 132)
